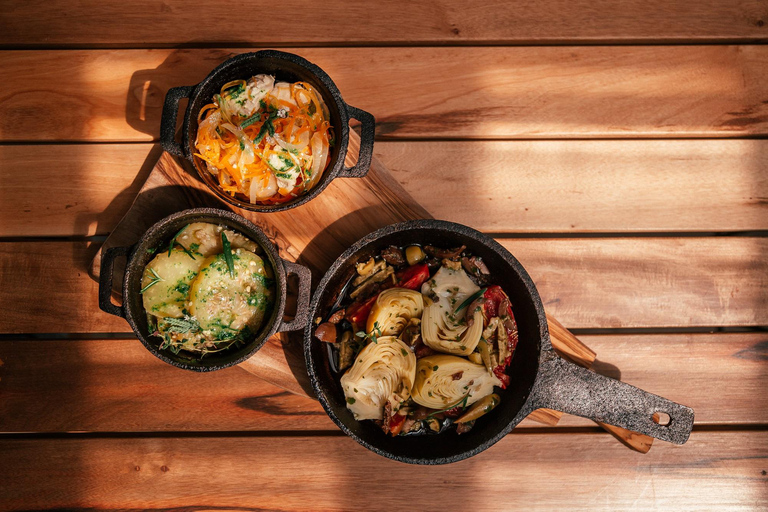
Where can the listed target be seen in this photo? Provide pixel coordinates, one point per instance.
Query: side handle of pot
(106, 273)
(302, 304)
(168, 119)
(569, 388)
(367, 134)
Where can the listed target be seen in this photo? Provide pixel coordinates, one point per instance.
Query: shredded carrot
(237, 156)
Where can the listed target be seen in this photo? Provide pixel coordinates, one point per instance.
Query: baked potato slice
(172, 275)
(223, 305)
(205, 239)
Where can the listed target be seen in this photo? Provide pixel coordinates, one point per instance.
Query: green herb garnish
(228, 255)
(461, 403)
(173, 240)
(470, 299)
(156, 279)
(374, 336)
(181, 324)
(350, 400)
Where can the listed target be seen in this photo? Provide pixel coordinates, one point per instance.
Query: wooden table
(617, 148)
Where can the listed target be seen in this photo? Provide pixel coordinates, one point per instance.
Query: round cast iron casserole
(285, 67)
(157, 239)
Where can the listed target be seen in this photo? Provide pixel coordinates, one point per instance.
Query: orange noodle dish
(266, 142)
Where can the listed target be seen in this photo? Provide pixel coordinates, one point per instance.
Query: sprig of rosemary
(156, 279)
(182, 325)
(228, 255)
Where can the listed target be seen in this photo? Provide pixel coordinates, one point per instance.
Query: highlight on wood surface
(607, 183)
(463, 93)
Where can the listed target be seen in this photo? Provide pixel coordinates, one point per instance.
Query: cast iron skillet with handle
(539, 377)
(285, 67)
(157, 239)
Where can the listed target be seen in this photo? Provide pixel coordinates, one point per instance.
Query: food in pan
(421, 339)
(266, 142)
(208, 290)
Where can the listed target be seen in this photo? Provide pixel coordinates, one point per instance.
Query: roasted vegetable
(437, 388)
(479, 408)
(392, 311)
(222, 304)
(166, 282)
(382, 371)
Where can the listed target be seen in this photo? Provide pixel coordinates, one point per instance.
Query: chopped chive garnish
(471, 299)
(228, 255)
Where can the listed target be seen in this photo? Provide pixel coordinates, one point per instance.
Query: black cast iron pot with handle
(284, 67)
(539, 377)
(157, 239)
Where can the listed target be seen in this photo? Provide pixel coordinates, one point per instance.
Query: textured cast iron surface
(158, 237)
(284, 66)
(539, 377)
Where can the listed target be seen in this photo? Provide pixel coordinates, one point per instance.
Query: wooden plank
(456, 92)
(601, 186)
(584, 283)
(117, 386)
(714, 470)
(442, 21)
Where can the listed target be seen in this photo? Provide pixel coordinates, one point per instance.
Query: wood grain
(714, 470)
(584, 283)
(472, 92)
(117, 386)
(601, 186)
(334, 22)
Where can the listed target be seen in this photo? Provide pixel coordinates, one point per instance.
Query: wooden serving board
(313, 235)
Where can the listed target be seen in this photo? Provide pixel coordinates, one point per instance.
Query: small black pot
(158, 237)
(539, 377)
(286, 67)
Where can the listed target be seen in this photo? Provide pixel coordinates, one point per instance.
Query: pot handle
(302, 305)
(168, 119)
(106, 272)
(367, 132)
(567, 387)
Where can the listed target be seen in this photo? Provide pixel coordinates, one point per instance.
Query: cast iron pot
(285, 67)
(539, 377)
(157, 238)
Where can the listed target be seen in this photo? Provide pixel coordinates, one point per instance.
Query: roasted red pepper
(413, 277)
(396, 424)
(359, 311)
(494, 296)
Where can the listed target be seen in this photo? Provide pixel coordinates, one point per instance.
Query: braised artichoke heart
(392, 311)
(383, 371)
(445, 327)
(444, 381)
